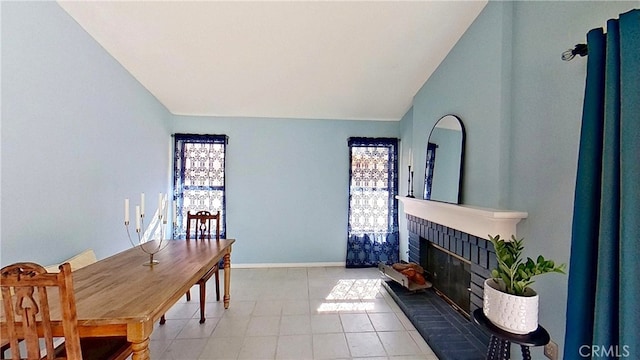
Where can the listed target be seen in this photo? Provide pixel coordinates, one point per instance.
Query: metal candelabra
(410, 191)
(146, 237)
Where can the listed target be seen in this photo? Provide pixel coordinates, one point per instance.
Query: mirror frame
(460, 174)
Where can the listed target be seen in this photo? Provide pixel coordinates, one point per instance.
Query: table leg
(505, 349)
(141, 350)
(498, 349)
(227, 279)
(492, 350)
(526, 353)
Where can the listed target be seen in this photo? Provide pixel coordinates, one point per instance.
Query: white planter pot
(516, 314)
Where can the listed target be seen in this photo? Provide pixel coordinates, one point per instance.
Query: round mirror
(445, 152)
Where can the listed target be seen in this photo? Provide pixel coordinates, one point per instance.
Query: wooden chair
(27, 289)
(203, 221)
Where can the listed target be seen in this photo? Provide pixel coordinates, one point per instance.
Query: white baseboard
(287, 265)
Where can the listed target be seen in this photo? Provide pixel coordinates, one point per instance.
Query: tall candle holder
(410, 191)
(157, 227)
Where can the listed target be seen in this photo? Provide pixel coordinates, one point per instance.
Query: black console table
(500, 344)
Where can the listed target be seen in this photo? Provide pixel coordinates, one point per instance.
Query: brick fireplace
(462, 231)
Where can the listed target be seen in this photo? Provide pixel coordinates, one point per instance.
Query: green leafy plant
(516, 273)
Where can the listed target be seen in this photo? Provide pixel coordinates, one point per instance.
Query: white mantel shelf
(477, 221)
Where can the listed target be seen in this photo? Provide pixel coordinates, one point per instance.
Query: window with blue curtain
(373, 208)
(199, 178)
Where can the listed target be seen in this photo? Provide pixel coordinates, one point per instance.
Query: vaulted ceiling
(290, 59)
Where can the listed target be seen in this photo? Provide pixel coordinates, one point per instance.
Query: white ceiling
(293, 59)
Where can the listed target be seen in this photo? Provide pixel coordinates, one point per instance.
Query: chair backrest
(203, 222)
(79, 261)
(27, 311)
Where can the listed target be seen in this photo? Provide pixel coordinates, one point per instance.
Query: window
(369, 190)
(373, 208)
(199, 177)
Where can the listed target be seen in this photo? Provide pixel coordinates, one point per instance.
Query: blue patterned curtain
(373, 208)
(199, 178)
(603, 311)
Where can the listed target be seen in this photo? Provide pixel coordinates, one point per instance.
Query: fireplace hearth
(458, 263)
(449, 334)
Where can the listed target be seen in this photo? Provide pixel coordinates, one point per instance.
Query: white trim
(473, 220)
(287, 265)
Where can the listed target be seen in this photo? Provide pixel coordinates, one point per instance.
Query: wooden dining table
(121, 296)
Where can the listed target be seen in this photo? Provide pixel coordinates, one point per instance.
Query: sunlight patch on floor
(348, 295)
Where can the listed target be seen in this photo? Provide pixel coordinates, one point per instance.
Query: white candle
(411, 158)
(126, 211)
(166, 207)
(142, 204)
(175, 212)
(138, 217)
(160, 212)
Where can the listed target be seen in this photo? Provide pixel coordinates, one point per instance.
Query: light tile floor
(292, 313)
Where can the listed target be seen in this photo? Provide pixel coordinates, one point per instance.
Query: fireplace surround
(462, 231)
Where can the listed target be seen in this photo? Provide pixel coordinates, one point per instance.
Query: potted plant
(509, 302)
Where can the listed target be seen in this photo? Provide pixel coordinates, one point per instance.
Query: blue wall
(407, 148)
(469, 84)
(79, 134)
(547, 110)
(521, 106)
(287, 184)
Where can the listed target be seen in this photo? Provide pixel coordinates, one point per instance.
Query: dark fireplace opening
(450, 275)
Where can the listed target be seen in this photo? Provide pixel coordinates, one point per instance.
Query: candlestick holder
(151, 239)
(410, 190)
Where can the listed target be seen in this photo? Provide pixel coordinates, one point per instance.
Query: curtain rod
(579, 49)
